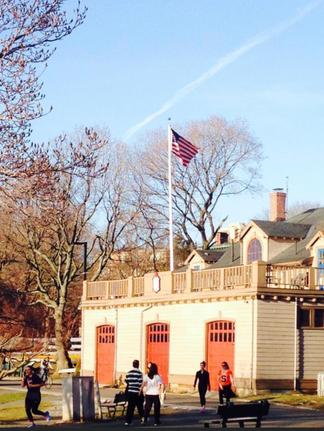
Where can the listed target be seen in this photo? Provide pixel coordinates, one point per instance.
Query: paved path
(183, 412)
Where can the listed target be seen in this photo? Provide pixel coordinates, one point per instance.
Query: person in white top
(153, 386)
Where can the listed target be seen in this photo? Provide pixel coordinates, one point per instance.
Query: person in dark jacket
(202, 377)
(33, 398)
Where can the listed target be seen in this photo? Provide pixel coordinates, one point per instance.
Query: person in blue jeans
(33, 383)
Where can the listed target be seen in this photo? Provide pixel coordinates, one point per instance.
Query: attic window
(254, 251)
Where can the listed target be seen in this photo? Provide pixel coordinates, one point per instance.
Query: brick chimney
(277, 205)
(221, 238)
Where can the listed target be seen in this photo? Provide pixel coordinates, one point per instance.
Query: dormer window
(254, 251)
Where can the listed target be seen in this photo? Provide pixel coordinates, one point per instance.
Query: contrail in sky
(224, 61)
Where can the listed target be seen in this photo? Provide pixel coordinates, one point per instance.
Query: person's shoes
(142, 421)
(48, 416)
(126, 424)
(202, 410)
(32, 425)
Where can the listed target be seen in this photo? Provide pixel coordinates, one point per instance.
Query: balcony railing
(258, 274)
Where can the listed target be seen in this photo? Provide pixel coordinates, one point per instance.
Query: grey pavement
(181, 411)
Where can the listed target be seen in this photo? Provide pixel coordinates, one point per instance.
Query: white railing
(237, 277)
(179, 282)
(210, 279)
(288, 277)
(138, 286)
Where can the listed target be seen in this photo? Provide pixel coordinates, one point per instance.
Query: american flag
(182, 148)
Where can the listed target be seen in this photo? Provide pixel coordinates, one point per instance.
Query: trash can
(78, 399)
(320, 384)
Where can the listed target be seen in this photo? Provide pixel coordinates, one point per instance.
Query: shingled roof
(300, 227)
(211, 256)
(283, 229)
(230, 258)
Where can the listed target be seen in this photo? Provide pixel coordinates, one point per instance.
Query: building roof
(313, 216)
(208, 256)
(211, 256)
(230, 258)
(301, 227)
(283, 229)
(298, 251)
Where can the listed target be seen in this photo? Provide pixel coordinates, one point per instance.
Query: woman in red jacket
(225, 383)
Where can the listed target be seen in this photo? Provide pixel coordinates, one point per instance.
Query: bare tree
(301, 206)
(53, 211)
(227, 165)
(29, 30)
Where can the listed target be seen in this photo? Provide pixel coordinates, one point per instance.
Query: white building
(260, 307)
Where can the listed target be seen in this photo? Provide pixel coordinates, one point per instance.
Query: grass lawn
(296, 399)
(12, 406)
(18, 413)
(10, 397)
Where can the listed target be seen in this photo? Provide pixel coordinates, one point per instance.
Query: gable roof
(313, 216)
(230, 258)
(208, 256)
(283, 229)
(302, 228)
(299, 252)
(319, 234)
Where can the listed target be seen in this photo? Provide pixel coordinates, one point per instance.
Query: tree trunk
(61, 355)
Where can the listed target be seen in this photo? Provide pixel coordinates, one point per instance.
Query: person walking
(225, 383)
(33, 398)
(153, 386)
(134, 380)
(202, 377)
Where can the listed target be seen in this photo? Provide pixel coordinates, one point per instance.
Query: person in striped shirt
(134, 380)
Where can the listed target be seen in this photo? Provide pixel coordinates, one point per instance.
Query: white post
(170, 198)
(295, 347)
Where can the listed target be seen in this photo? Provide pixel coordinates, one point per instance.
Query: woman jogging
(225, 383)
(202, 377)
(33, 397)
(153, 386)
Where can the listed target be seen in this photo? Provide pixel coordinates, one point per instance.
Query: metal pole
(252, 343)
(170, 198)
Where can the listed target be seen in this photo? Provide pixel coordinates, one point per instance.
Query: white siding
(91, 319)
(187, 334)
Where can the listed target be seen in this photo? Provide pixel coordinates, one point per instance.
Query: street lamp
(85, 252)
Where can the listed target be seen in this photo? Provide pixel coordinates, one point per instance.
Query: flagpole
(170, 197)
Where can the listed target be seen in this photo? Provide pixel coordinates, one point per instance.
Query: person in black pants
(135, 398)
(202, 376)
(33, 398)
(153, 385)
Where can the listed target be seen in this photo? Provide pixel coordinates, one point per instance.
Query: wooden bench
(240, 413)
(119, 404)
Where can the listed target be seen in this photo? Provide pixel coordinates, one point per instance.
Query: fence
(243, 276)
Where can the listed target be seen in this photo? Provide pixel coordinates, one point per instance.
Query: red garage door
(220, 347)
(157, 348)
(105, 354)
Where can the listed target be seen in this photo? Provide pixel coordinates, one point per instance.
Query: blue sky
(131, 56)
